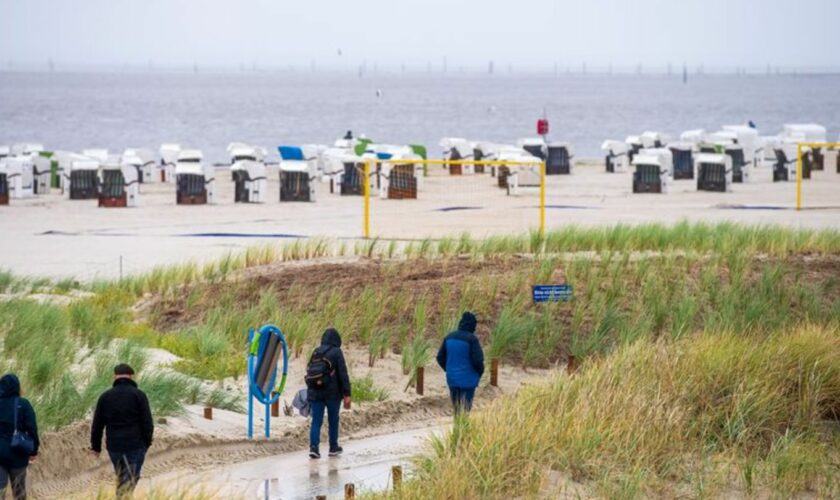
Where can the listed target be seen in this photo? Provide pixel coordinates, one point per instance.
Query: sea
(208, 110)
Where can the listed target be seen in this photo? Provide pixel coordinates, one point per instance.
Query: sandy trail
(366, 463)
(188, 448)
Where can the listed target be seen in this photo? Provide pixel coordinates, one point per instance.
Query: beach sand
(53, 237)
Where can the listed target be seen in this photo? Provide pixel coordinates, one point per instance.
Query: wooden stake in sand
(275, 406)
(208, 412)
(494, 372)
(349, 491)
(396, 476)
(571, 364)
(420, 371)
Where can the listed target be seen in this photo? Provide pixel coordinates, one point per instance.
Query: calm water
(113, 110)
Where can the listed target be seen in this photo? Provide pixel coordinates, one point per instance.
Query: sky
(414, 33)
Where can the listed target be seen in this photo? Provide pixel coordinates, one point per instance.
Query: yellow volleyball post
(542, 199)
(366, 191)
(799, 176)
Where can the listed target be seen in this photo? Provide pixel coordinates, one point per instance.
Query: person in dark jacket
(330, 397)
(462, 359)
(123, 412)
(13, 463)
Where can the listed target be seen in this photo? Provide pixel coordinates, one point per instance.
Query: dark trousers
(332, 406)
(18, 479)
(127, 465)
(462, 398)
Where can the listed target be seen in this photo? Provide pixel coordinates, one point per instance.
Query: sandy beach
(53, 237)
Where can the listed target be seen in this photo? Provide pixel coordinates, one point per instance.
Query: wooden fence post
(571, 364)
(275, 406)
(208, 412)
(494, 372)
(420, 371)
(349, 491)
(396, 476)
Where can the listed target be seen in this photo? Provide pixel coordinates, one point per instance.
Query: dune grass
(619, 297)
(630, 282)
(701, 416)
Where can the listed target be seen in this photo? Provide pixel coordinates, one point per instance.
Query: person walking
(123, 412)
(327, 384)
(462, 359)
(16, 452)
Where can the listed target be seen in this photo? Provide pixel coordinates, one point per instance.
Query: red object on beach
(542, 126)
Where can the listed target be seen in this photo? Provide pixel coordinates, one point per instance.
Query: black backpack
(319, 370)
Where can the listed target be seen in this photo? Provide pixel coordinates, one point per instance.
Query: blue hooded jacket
(9, 391)
(460, 355)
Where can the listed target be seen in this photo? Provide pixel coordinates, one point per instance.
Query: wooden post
(349, 491)
(321, 497)
(275, 406)
(208, 412)
(571, 364)
(396, 476)
(420, 371)
(494, 372)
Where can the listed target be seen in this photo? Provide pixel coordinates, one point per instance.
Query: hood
(9, 386)
(331, 337)
(468, 322)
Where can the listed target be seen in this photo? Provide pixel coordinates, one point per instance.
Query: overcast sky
(716, 33)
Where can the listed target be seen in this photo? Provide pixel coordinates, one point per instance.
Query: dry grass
(700, 416)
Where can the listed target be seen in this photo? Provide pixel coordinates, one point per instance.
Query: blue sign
(552, 293)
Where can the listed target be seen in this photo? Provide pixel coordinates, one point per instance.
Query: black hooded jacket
(338, 385)
(124, 411)
(9, 390)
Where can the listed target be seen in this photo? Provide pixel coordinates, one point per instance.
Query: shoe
(314, 454)
(334, 452)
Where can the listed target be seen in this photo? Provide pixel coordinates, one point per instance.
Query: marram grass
(705, 415)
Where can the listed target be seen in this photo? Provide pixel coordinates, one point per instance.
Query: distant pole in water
(51, 65)
(510, 68)
(444, 64)
(490, 68)
(670, 71)
(639, 68)
(428, 66)
(312, 65)
(402, 67)
(583, 68)
(195, 67)
(609, 69)
(556, 68)
(685, 74)
(768, 69)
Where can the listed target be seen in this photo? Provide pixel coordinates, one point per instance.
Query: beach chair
(683, 156)
(297, 174)
(119, 183)
(714, 172)
(83, 180)
(168, 158)
(653, 170)
(41, 173)
(195, 181)
(559, 159)
(616, 158)
(4, 184)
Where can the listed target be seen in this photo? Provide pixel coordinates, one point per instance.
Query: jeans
(462, 398)
(18, 479)
(332, 406)
(127, 465)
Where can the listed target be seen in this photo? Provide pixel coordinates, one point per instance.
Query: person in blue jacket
(462, 359)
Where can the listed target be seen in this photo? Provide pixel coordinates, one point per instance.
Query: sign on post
(552, 293)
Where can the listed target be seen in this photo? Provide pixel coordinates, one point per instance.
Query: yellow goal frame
(502, 163)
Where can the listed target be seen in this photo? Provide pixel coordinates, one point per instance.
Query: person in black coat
(123, 411)
(329, 398)
(13, 463)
